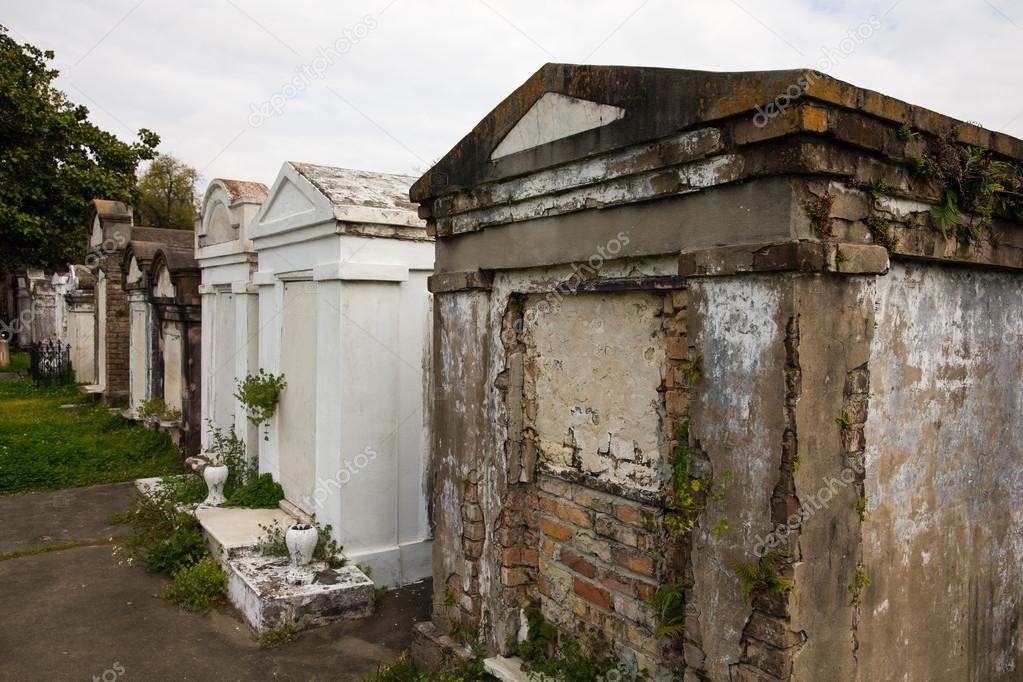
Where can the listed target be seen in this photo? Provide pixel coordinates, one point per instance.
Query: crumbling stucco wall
(943, 543)
(736, 419)
(596, 365)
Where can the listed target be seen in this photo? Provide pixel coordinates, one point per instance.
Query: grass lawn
(44, 446)
(19, 363)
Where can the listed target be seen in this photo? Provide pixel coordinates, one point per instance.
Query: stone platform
(267, 590)
(270, 593)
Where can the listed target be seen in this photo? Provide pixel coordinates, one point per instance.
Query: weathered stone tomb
(687, 343)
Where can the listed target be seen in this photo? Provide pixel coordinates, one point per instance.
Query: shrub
(262, 492)
(761, 579)
(260, 393)
(278, 636)
(405, 670)
(562, 656)
(162, 538)
(228, 449)
(156, 408)
(198, 587)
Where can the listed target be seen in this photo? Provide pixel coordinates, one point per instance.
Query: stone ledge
(444, 282)
(231, 530)
(510, 670)
(801, 256)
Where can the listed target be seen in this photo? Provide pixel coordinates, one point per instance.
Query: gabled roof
(345, 187)
(595, 109)
(306, 194)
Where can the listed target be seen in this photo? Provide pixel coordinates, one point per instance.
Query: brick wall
(118, 350)
(598, 564)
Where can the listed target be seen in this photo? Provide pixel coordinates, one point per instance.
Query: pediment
(292, 203)
(553, 117)
(216, 224)
(96, 237)
(134, 271)
(163, 288)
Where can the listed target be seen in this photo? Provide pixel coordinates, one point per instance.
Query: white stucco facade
(344, 311)
(229, 302)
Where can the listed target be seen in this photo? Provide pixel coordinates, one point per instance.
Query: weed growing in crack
(761, 579)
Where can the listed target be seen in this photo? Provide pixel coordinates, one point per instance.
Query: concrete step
(229, 530)
(510, 670)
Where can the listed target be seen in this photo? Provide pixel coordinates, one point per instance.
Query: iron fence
(50, 363)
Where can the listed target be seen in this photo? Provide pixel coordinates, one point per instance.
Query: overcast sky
(236, 87)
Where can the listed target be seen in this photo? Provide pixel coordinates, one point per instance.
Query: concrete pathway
(84, 613)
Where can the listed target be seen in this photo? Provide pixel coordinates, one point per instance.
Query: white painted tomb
(230, 327)
(344, 314)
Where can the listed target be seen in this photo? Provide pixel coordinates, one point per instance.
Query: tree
(166, 194)
(53, 162)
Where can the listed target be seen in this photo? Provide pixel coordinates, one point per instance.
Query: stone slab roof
(245, 189)
(345, 187)
(177, 259)
(631, 105)
(163, 236)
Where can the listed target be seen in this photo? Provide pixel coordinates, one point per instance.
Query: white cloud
(428, 72)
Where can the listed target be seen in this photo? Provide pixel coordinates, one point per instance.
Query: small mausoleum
(161, 283)
(730, 378)
(111, 230)
(230, 305)
(344, 315)
(76, 319)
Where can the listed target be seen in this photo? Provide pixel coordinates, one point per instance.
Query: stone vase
(215, 476)
(301, 540)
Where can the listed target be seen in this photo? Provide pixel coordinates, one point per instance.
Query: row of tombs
(633, 356)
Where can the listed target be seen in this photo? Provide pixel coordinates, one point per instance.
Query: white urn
(301, 541)
(215, 476)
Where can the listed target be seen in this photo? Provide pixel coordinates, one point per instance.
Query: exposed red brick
(630, 514)
(513, 577)
(577, 563)
(511, 556)
(474, 531)
(678, 348)
(632, 560)
(618, 583)
(507, 537)
(555, 529)
(472, 512)
(574, 515)
(645, 591)
(592, 593)
(473, 548)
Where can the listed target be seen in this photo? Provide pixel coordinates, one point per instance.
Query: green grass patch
(20, 362)
(44, 446)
